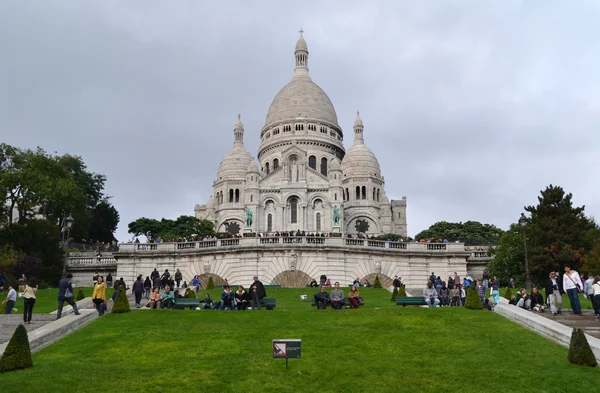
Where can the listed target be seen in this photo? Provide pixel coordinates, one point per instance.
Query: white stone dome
(360, 161)
(302, 98)
(253, 167)
(235, 164)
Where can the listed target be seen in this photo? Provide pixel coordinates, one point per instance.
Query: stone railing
(295, 241)
(90, 261)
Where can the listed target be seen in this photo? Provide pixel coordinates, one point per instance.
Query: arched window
(230, 195)
(335, 196)
(357, 193)
(294, 210)
(251, 198)
(275, 164)
(312, 162)
(318, 219)
(364, 192)
(221, 197)
(237, 195)
(269, 223)
(267, 168)
(374, 194)
(347, 194)
(378, 195)
(324, 166)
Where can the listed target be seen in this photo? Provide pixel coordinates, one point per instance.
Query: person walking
(65, 294)
(178, 277)
(28, 301)
(138, 290)
(554, 294)
(573, 285)
(257, 292)
(147, 287)
(99, 295)
(11, 299)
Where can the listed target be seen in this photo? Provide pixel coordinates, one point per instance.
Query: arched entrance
(386, 281)
(292, 279)
(217, 280)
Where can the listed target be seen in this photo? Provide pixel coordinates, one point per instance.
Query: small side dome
(211, 203)
(253, 167)
(335, 165)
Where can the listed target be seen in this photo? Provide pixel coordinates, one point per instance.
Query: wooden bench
(410, 301)
(268, 302)
(183, 302)
(346, 301)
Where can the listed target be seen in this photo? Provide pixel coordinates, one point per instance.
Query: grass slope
(380, 347)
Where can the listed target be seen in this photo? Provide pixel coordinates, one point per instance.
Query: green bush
(210, 284)
(2, 309)
(579, 350)
(189, 294)
(473, 300)
(17, 355)
(377, 283)
(80, 295)
(507, 294)
(394, 294)
(122, 303)
(402, 291)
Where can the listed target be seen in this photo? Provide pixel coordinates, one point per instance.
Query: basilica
(304, 179)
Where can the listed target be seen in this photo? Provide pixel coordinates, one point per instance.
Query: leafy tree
(558, 233)
(579, 350)
(473, 301)
(509, 256)
(470, 232)
(105, 219)
(9, 256)
(182, 227)
(591, 262)
(17, 355)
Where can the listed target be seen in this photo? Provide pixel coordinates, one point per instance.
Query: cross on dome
(301, 31)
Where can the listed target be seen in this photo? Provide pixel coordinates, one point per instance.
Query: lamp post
(66, 228)
(523, 223)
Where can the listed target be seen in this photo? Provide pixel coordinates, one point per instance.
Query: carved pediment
(294, 150)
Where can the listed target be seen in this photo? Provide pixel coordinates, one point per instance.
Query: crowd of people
(335, 299)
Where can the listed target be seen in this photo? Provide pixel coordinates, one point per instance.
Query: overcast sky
(472, 107)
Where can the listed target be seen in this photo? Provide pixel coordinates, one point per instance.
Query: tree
(394, 294)
(558, 234)
(470, 232)
(182, 227)
(17, 355)
(80, 295)
(121, 303)
(210, 284)
(591, 262)
(105, 219)
(579, 350)
(473, 301)
(377, 283)
(509, 256)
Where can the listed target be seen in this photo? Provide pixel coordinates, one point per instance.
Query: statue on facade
(293, 260)
(377, 267)
(294, 169)
(248, 217)
(336, 215)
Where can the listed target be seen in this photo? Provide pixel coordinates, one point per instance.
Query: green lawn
(379, 348)
(46, 299)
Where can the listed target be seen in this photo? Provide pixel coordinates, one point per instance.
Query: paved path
(587, 322)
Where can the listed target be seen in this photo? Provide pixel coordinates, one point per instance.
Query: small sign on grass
(287, 348)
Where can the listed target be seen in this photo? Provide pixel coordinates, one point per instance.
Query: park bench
(268, 303)
(346, 301)
(182, 302)
(410, 301)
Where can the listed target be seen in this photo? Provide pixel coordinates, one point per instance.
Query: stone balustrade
(296, 241)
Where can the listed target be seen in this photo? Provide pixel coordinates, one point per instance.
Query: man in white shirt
(588, 291)
(572, 285)
(11, 299)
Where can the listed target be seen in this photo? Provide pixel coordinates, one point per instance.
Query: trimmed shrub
(121, 303)
(189, 294)
(377, 283)
(473, 300)
(402, 291)
(507, 294)
(17, 355)
(579, 350)
(394, 294)
(210, 284)
(80, 295)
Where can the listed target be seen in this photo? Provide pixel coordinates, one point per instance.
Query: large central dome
(301, 98)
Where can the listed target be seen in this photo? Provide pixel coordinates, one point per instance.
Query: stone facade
(304, 173)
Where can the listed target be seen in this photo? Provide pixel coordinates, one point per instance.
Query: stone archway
(386, 281)
(217, 280)
(292, 279)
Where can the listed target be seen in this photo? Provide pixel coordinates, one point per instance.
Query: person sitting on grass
(513, 300)
(154, 298)
(537, 300)
(166, 299)
(227, 299)
(313, 283)
(337, 297)
(444, 295)
(524, 301)
(242, 299)
(354, 296)
(430, 295)
(322, 298)
(208, 303)
(454, 296)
